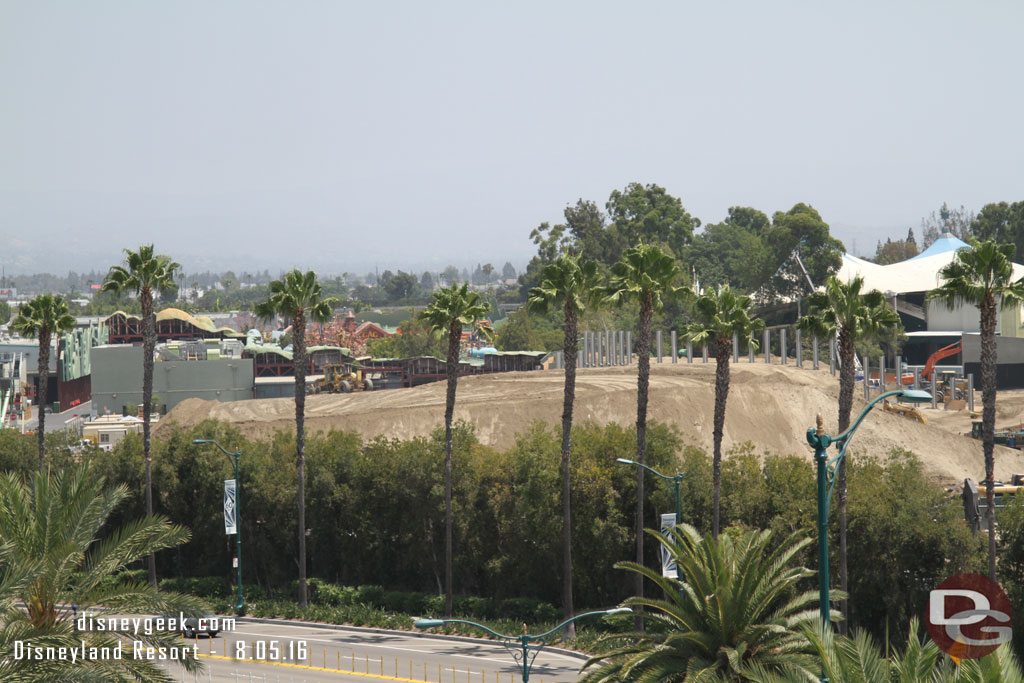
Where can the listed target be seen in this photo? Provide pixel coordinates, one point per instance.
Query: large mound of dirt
(769, 405)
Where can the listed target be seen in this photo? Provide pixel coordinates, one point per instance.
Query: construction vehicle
(904, 410)
(948, 387)
(944, 352)
(976, 500)
(343, 378)
(1013, 438)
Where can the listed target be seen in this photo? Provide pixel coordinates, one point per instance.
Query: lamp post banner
(230, 523)
(668, 563)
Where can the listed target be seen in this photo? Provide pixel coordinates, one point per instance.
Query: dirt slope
(770, 405)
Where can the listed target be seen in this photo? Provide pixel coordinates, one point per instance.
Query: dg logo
(969, 616)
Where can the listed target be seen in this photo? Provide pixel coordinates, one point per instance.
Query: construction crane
(944, 352)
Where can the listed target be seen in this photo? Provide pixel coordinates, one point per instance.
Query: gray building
(117, 377)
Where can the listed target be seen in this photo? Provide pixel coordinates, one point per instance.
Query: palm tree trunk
(847, 377)
(44, 380)
(569, 348)
(723, 348)
(148, 348)
(299, 360)
(642, 383)
(452, 370)
(988, 418)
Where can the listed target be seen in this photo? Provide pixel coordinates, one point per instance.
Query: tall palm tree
(50, 539)
(450, 310)
(842, 310)
(982, 276)
(720, 315)
(570, 283)
(734, 610)
(645, 274)
(299, 297)
(145, 273)
(43, 317)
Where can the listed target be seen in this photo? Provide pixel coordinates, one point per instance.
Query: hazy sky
(343, 135)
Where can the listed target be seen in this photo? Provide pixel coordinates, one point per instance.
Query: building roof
(918, 274)
(202, 322)
(947, 242)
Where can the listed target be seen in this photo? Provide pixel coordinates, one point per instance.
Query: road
(360, 656)
(55, 421)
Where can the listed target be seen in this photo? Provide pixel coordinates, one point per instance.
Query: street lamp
(817, 438)
(523, 653)
(675, 479)
(240, 605)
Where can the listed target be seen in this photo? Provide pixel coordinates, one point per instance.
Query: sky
(348, 136)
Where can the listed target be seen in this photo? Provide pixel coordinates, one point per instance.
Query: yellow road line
(309, 667)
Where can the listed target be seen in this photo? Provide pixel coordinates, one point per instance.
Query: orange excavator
(944, 352)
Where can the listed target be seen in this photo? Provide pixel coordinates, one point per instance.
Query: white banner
(668, 564)
(230, 524)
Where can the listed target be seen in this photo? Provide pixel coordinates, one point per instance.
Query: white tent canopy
(918, 274)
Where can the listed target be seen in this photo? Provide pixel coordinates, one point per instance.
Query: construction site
(770, 406)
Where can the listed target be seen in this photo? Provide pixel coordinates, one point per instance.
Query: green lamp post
(519, 646)
(675, 479)
(817, 438)
(240, 605)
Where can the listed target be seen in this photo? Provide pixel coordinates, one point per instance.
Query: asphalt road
(55, 421)
(288, 653)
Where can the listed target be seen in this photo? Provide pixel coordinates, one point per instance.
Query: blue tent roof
(947, 242)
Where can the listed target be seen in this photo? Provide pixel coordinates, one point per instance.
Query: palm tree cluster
(54, 553)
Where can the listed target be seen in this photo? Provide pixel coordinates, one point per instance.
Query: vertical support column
(689, 352)
(735, 347)
(881, 373)
(799, 350)
(617, 346)
(585, 356)
(970, 391)
(608, 348)
(917, 378)
(629, 347)
(866, 364)
(659, 346)
(782, 344)
(767, 347)
(750, 349)
(899, 372)
(704, 352)
(935, 393)
(622, 347)
(814, 347)
(675, 347)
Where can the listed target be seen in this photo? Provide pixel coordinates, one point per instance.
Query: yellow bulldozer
(343, 378)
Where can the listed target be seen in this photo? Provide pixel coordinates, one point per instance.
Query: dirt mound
(769, 405)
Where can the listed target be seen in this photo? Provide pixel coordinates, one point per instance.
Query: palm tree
(144, 273)
(644, 274)
(42, 317)
(982, 276)
(298, 297)
(50, 542)
(569, 283)
(841, 310)
(733, 611)
(720, 315)
(450, 310)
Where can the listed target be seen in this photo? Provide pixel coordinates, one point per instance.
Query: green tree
(298, 297)
(894, 252)
(720, 315)
(842, 311)
(44, 317)
(802, 232)
(647, 213)
(5, 312)
(400, 286)
(1002, 222)
(734, 252)
(957, 222)
(449, 311)
(982, 276)
(146, 274)
(51, 533)
(570, 283)
(525, 331)
(647, 275)
(734, 612)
